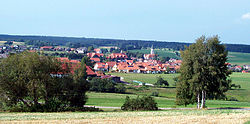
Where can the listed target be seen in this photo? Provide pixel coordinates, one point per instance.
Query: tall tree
(28, 78)
(86, 61)
(203, 72)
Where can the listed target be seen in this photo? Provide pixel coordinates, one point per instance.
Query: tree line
(96, 42)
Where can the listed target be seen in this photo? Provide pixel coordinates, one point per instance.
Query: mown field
(166, 97)
(169, 116)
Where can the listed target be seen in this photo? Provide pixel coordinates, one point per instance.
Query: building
(47, 48)
(118, 56)
(82, 50)
(152, 54)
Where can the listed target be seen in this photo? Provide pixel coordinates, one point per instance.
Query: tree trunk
(205, 93)
(198, 100)
(203, 99)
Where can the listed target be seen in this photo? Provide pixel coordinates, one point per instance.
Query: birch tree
(203, 72)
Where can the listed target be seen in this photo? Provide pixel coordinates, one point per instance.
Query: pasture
(242, 94)
(233, 57)
(239, 58)
(165, 52)
(169, 116)
(117, 100)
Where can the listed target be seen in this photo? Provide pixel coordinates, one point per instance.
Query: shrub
(232, 99)
(155, 93)
(106, 85)
(140, 103)
(120, 88)
(161, 82)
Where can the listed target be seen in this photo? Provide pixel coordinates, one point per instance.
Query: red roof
(95, 59)
(73, 65)
(47, 47)
(75, 61)
(90, 71)
(110, 64)
(91, 55)
(118, 55)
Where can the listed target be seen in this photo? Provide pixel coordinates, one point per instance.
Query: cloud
(246, 16)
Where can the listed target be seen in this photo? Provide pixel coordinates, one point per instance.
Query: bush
(106, 85)
(139, 104)
(120, 88)
(232, 99)
(155, 93)
(161, 82)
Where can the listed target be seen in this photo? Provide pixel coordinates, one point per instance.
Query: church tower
(152, 50)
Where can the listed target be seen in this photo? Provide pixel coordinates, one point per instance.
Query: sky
(163, 20)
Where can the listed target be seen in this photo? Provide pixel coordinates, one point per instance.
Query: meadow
(239, 58)
(233, 57)
(165, 52)
(166, 97)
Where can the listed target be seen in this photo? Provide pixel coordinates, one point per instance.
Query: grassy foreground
(170, 116)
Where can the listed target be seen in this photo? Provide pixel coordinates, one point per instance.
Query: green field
(117, 100)
(239, 58)
(167, 95)
(161, 52)
(233, 57)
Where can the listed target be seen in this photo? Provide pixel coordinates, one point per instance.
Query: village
(111, 62)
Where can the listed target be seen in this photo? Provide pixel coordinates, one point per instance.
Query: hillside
(124, 44)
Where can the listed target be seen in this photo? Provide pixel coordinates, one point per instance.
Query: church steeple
(152, 50)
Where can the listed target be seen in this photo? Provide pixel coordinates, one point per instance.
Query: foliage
(203, 71)
(90, 48)
(106, 85)
(86, 61)
(120, 88)
(161, 82)
(140, 103)
(30, 81)
(235, 86)
(155, 93)
(8, 43)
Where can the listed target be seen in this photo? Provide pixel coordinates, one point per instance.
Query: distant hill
(123, 44)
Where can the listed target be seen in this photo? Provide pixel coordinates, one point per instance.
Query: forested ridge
(124, 44)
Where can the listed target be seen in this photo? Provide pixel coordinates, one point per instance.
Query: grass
(117, 100)
(161, 52)
(146, 78)
(239, 58)
(170, 116)
(167, 95)
(233, 57)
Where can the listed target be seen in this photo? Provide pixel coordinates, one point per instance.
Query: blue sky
(168, 20)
